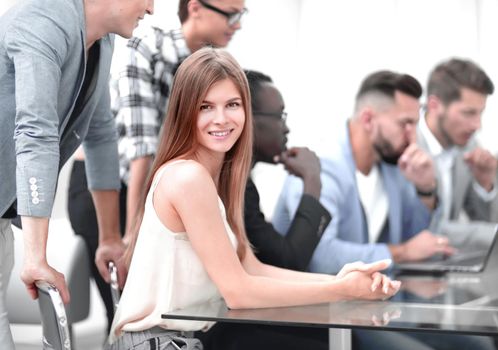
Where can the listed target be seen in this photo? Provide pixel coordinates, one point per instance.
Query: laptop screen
(474, 242)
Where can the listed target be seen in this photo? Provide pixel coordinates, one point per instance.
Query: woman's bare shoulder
(185, 176)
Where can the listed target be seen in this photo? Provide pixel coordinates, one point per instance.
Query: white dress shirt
(373, 197)
(444, 160)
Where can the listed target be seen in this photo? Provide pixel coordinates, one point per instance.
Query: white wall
(321, 51)
(5, 4)
(318, 51)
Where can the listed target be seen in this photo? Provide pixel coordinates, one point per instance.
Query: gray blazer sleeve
(465, 196)
(476, 207)
(37, 49)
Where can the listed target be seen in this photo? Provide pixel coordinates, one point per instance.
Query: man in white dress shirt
(456, 98)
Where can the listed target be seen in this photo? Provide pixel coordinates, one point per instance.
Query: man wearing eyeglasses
(139, 92)
(294, 250)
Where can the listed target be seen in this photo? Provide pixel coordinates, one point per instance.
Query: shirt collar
(180, 44)
(435, 148)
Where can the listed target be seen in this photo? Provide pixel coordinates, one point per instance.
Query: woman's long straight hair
(193, 79)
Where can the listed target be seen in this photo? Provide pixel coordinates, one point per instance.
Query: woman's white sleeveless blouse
(165, 274)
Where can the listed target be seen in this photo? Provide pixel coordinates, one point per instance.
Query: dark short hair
(387, 83)
(183, 10)
(255, 80)
(449, 77)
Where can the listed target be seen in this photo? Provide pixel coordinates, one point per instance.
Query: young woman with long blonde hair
(191, 247)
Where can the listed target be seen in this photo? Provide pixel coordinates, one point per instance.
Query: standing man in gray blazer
(456, 97)
(54, 70)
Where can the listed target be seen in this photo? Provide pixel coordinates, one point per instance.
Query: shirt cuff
(481, 192)
(315, 211)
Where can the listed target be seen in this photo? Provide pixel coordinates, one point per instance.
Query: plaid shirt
(140, 89)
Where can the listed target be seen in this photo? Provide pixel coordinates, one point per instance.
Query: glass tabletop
(376, 315)
(449, 303)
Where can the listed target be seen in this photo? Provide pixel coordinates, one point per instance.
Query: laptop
(474, 242)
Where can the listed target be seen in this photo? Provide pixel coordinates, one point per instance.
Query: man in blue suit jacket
(380, 189)
(55, 58)
(378, 185)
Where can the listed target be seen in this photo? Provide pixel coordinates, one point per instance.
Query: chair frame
(56, 332)
(115, 293)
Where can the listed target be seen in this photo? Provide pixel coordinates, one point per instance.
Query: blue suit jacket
(346, 238)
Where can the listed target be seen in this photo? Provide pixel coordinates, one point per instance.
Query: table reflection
(450, 303)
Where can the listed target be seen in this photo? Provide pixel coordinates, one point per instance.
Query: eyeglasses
(280, 116)
(232, 17)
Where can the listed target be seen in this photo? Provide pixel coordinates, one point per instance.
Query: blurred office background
(318, 51)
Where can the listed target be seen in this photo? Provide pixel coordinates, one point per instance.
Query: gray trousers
(155, 339)
(6, 265)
